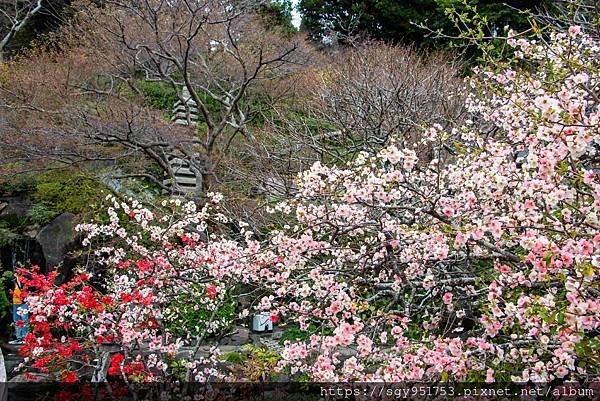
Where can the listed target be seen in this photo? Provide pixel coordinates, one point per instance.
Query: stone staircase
(185, 110)
(185, 179)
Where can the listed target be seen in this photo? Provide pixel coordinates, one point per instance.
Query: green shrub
(5, 302)
(58, 192)
(294, 334)
(160, 95)
(234, 357)
(188, 315)
(41, 214)
(7, 234)
(212, 105)
(20, 183)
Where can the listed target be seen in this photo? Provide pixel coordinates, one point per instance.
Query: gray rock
(56, 237)
(282, 379)
(15, 205)
(240, 336)
(226, 349)
(269, 343)
(30, 377)
(277, 334)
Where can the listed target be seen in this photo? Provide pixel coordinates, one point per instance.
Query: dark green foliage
(159, 95)
(53, 14)
(234, 357)
(52, 193)
(8, 234)
(294, 334)
(162, 96)
(278, 14)
(22, 183)
(5, 302)
(564, 13)
(382, 19)
(395, 20)
(41, 214)
(212, 105)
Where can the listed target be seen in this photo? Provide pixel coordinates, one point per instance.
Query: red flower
(60, 298)
(126, 297)
(88, 299)
(42, 363)
(274, 318)
(134, 368)
(68, 351)
(187, 240)
(75, 347)
(115, 364)
(144, 265)
(211, 291)
(30, 344)
(70, 377)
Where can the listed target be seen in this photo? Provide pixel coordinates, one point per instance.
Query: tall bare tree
(364, 95)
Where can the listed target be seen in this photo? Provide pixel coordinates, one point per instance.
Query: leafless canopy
(372, 92)
(563, 13)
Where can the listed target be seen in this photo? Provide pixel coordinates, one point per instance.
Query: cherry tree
(480, 264)
(477, 264)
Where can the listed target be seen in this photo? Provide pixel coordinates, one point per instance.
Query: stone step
(188, 101)
(183, 171)
(3, 375)
(184, 109)
(184, 115)
(184, 122)
(182, 188)
(186, 180)
(10, 359)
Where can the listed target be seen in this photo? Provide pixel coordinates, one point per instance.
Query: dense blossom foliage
(154, 265)
(480, 263)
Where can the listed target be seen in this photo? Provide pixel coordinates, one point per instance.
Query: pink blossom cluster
(147, 259)
(477, 264)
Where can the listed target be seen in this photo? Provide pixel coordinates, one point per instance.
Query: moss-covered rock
(59, 192)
